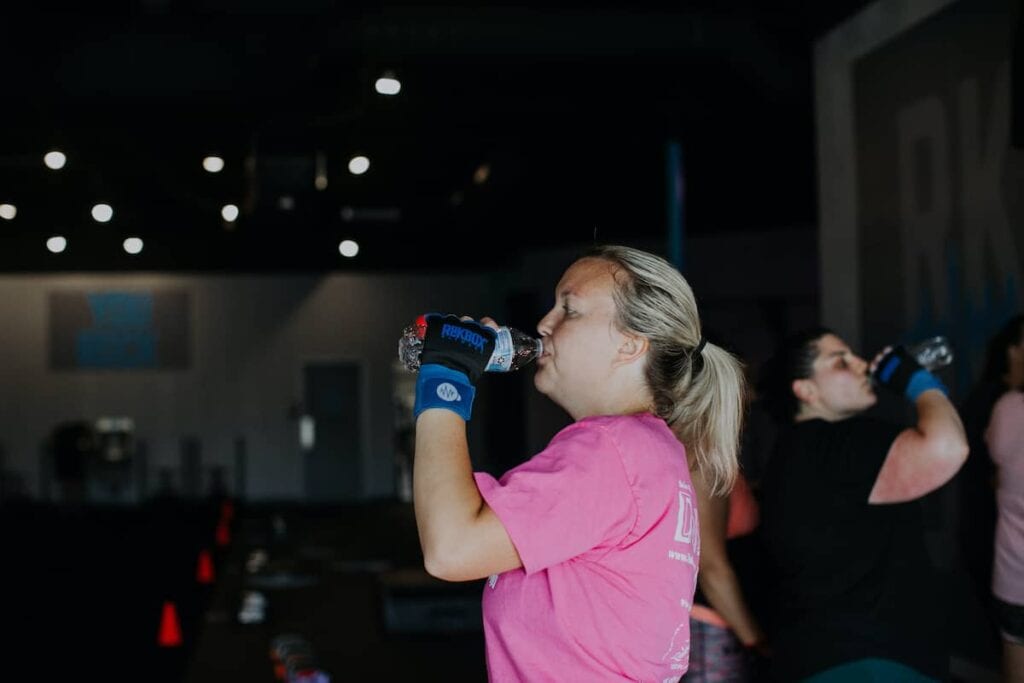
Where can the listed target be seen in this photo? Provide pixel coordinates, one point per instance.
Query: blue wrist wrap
(441, 387)
(921, 381)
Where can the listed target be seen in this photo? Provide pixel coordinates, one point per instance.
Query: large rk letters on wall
(939, 183)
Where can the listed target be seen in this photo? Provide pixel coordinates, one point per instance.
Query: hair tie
(697, 360)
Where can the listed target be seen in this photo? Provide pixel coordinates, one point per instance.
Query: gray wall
(251, 337)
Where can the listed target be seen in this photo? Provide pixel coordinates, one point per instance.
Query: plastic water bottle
(933, 353)
(513, 349)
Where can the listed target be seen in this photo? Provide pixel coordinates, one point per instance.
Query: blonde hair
(700, 393)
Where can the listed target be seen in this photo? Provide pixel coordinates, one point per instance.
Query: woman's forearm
(445, 495)
(723, 592)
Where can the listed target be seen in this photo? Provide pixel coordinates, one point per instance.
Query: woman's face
(581, 339)
(839, 385)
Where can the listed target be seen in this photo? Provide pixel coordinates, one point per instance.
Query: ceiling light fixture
(133, 245)
(229, 212)
(102, 213)
(481, 174)
(320, 182)
(56, 244)
(388, 85)
(55, 160)
(8, 211)
(358, 165)
(348, 248)
(213, 164)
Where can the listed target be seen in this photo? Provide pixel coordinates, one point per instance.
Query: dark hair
(794, 359)
(996, 362)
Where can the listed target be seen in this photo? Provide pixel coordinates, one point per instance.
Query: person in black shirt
(855, 587)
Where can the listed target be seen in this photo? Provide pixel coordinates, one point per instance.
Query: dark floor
(82, 591)
(371, 613)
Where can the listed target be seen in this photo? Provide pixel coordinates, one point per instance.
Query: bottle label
(501, 358)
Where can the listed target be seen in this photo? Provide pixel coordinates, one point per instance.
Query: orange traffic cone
(204, 568)
(223, 533)
(170, 629)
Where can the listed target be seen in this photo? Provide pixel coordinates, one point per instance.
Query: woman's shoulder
(592, 442)
(620, 431)
(627, 424)
(1011, 403)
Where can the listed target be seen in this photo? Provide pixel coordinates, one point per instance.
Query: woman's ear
(803, 389)
(633, 346)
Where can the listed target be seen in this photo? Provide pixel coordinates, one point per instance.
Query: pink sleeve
(572, 497)
(1005, 433)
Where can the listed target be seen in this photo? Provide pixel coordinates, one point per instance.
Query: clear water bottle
(933, 353)
(513, 349)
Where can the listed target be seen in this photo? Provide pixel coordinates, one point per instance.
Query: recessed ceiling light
(133, 245)
(213, 164)
(102, 213)
(55, 160)
(8, 211)
(348, 248)
(56, 244)
(229, 212)
(481, 174)
(320, 182)
(358, 165)
(387, 85)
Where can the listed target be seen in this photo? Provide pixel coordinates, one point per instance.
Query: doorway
(333, 456)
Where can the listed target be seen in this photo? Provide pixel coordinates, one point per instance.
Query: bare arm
(717, 578)
(1004, 434)
(924, 457)
(461, 537)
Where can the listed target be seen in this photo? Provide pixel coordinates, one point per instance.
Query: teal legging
(870, 671)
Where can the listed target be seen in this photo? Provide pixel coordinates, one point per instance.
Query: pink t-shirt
(1005, 439)
(605, 522)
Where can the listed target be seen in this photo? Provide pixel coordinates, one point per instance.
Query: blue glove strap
(891, 363)
(921, 381)
(441, 387)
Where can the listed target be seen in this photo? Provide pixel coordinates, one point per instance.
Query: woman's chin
(540, 382)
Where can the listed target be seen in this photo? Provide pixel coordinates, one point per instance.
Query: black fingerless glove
(900, 372)
(455, 353)
(465, 346)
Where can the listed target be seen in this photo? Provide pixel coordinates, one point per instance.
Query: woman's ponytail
(708, 415)
(698, 388)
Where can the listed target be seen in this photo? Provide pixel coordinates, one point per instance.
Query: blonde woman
(592, 545)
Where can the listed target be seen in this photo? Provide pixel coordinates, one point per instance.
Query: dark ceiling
(570, 109)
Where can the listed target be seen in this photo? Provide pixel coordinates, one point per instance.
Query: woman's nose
(544, 326)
